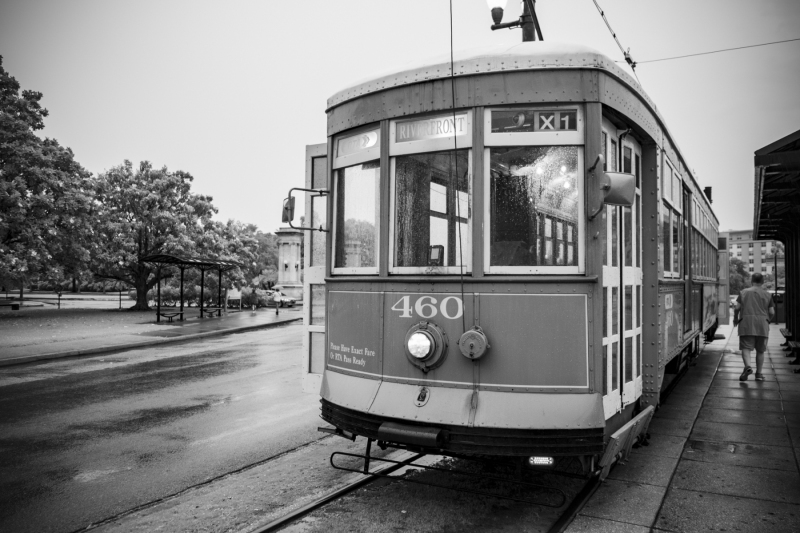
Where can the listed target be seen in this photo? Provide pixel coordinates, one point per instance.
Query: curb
(143, 344)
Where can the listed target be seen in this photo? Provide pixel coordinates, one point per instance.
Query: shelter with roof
(777, 211)
(201, 263)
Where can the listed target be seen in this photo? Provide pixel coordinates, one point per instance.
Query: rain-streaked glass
(628, 235)
(614, 234)
(317, 363)
(432, 209)
(357, 216)
(628, 307)
(614, 366)
(628, 359)
(666, 183)
(317, 304)
(319, 210)
(676, 243)
(534, 205)
(637, 361)
(666, 238)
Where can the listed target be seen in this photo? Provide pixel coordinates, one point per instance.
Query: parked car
(279, 299)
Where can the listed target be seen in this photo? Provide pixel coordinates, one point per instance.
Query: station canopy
(201, 263)
(777, 194)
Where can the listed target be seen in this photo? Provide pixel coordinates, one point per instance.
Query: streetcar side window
(671, 227)
(356, 201)
(357, 204)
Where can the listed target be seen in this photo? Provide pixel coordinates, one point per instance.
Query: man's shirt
(755, 303)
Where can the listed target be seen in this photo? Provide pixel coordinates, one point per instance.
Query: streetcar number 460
(425, 307)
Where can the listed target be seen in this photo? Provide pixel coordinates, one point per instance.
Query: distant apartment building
(757, 256)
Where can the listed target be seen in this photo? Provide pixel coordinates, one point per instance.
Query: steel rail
(463, 473)
(338, 493)
(576, 505)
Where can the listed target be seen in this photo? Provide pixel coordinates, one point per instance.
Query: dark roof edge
(779, 143)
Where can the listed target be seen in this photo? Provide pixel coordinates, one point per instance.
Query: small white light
(563, 168)
(540, 461)
(566, 185)
(539, 170)
(419, 345)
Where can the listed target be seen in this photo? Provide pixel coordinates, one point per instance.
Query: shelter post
(219, 289)
(182, 269)
(158, 294)
(202, 289)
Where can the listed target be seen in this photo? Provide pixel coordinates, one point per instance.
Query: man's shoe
(747, 372)
(759, 377)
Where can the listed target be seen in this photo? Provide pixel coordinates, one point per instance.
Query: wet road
(85, 439)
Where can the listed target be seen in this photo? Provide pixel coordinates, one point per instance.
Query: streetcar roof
(531, 55)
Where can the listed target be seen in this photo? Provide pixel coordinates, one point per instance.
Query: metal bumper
(465, 440)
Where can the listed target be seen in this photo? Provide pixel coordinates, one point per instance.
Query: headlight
(419, 345)
(425, 345)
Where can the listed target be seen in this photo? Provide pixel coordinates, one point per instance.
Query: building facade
(757, 256)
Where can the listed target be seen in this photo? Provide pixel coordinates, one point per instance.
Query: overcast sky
(231, 92)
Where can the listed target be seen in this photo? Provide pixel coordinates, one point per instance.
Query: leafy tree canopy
(45, 195)
(738, 276)
(147, 211)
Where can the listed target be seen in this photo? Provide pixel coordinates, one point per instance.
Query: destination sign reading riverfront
(431, 128)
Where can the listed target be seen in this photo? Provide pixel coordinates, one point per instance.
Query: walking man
(754, 309)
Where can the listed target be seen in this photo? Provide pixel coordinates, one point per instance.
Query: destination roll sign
(431, 128)
(357, 143)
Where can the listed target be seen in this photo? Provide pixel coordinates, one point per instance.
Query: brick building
(757, 256)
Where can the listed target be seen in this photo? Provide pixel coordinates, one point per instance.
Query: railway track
(558, 526)
(404, 461)
(375, 474)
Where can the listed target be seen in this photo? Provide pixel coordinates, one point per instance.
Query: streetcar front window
(432, 211)
(534, 206)
(356, 239)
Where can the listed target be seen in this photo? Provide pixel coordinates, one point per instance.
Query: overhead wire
(715, 51)
(626, 54)
(455, 173)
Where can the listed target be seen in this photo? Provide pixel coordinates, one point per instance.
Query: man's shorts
(753, 342)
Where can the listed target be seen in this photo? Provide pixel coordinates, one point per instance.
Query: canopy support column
(202, 289)
(182, 269)
(158, 294)
(219, 289)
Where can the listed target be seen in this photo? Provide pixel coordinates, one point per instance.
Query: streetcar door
(314, 262)
(630, 300)
(622, 283)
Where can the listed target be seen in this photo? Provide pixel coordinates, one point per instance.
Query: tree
(144, 212)
(45, 195)
(738, 277)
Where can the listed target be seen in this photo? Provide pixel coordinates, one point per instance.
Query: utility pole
(527, 21)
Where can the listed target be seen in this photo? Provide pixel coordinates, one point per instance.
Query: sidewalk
(723, 454)
(118, 339)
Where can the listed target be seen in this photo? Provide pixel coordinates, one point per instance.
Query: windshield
(534, 206)
(432, 210)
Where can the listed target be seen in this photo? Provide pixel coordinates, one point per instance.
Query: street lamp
(497, 7)
(528, 21)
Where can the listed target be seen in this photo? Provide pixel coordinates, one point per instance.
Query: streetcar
(512, 258)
